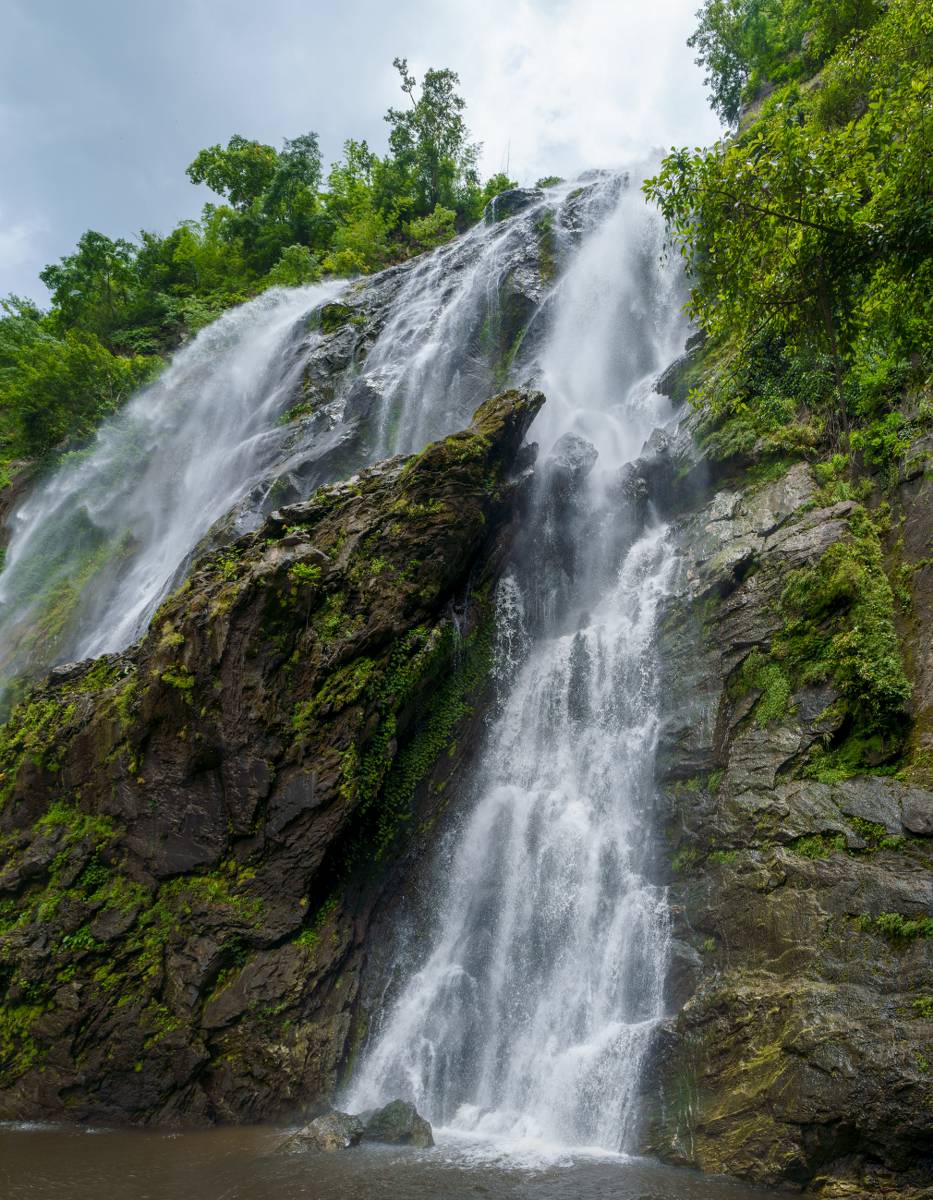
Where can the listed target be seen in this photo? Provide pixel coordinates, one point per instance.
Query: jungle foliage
(806, 232)
(118, 305)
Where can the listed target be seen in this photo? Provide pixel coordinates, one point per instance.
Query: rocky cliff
(795, 769)
(199, 836)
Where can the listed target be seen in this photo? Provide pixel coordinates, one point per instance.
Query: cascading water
(468, 316)
(531, 1014)
(533, 1008)
(96, 547)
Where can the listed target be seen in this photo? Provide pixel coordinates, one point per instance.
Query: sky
(103, 103)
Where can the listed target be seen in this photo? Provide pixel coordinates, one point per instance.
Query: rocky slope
(199, 835)
(800, 839)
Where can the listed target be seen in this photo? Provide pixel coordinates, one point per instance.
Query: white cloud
(103, 104)
(556, 87)
(18, 246)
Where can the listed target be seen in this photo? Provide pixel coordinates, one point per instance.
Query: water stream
(528, 1021)
(95, 547)
(524, 1022)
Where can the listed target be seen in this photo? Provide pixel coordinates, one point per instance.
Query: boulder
(397, 1123)
(917, 807)
(331, 1131)
(571, 460)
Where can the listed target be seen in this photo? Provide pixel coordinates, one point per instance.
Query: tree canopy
(118, 305)
(807, 235)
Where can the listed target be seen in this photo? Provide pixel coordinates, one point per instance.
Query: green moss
(684, 859)
(214, 889)
(182, 679)
(766, 676)
(18, 1048)
(102, 675)
(840, 627)
(305, 574)
(449, 705)
(897, 928)
(923, 1007)
(331, 623)
(547, 245)
(384, 787)
(310, 936)
(335, 316)
(818, 845)
(723, 856)
(875, 835)
(30, 734)
(76, 823)
(342, 689)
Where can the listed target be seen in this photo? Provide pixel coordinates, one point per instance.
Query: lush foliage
(747, 45)
(55, 384)
(807, 235)
(119, 305)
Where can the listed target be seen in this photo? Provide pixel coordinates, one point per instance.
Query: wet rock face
(571, 461)
(801, 894)
(398, 1124)
(507, 204)
(199, 836)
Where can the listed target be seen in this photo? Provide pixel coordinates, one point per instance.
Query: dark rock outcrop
(397, 1123)
(198, 835)
(508, 203)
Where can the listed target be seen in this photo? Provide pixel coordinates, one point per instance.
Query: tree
(241, 172)
(296, 265)
(430, 142)
(809, 233)
(91, 287)
(55, 387)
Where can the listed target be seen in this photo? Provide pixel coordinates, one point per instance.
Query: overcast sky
(103, 103)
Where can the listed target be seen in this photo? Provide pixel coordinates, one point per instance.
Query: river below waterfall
(245, 1164)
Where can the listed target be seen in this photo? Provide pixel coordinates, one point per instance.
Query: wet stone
(331, 1131)
(399, 1124)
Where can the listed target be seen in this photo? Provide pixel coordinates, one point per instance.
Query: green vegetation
(875, 836)
(766, 676)
(818, 845)
(897, 928)
(118, 306)
(807, 232)
(30, 733)
(838, 627)
(310, 936)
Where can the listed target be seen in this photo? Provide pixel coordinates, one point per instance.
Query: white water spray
(529, 1019)
(96, 547)
(530, 1014)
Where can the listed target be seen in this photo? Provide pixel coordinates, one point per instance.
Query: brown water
(246, 1164)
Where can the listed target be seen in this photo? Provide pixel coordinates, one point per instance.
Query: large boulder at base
(331, 1131)
(399, 1124)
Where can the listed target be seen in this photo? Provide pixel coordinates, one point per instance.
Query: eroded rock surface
(198, 835)
(802, 1050)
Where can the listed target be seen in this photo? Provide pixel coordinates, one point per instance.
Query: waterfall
(531, 1013)
(530, 1010)
(96, 547)
(203, 453)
